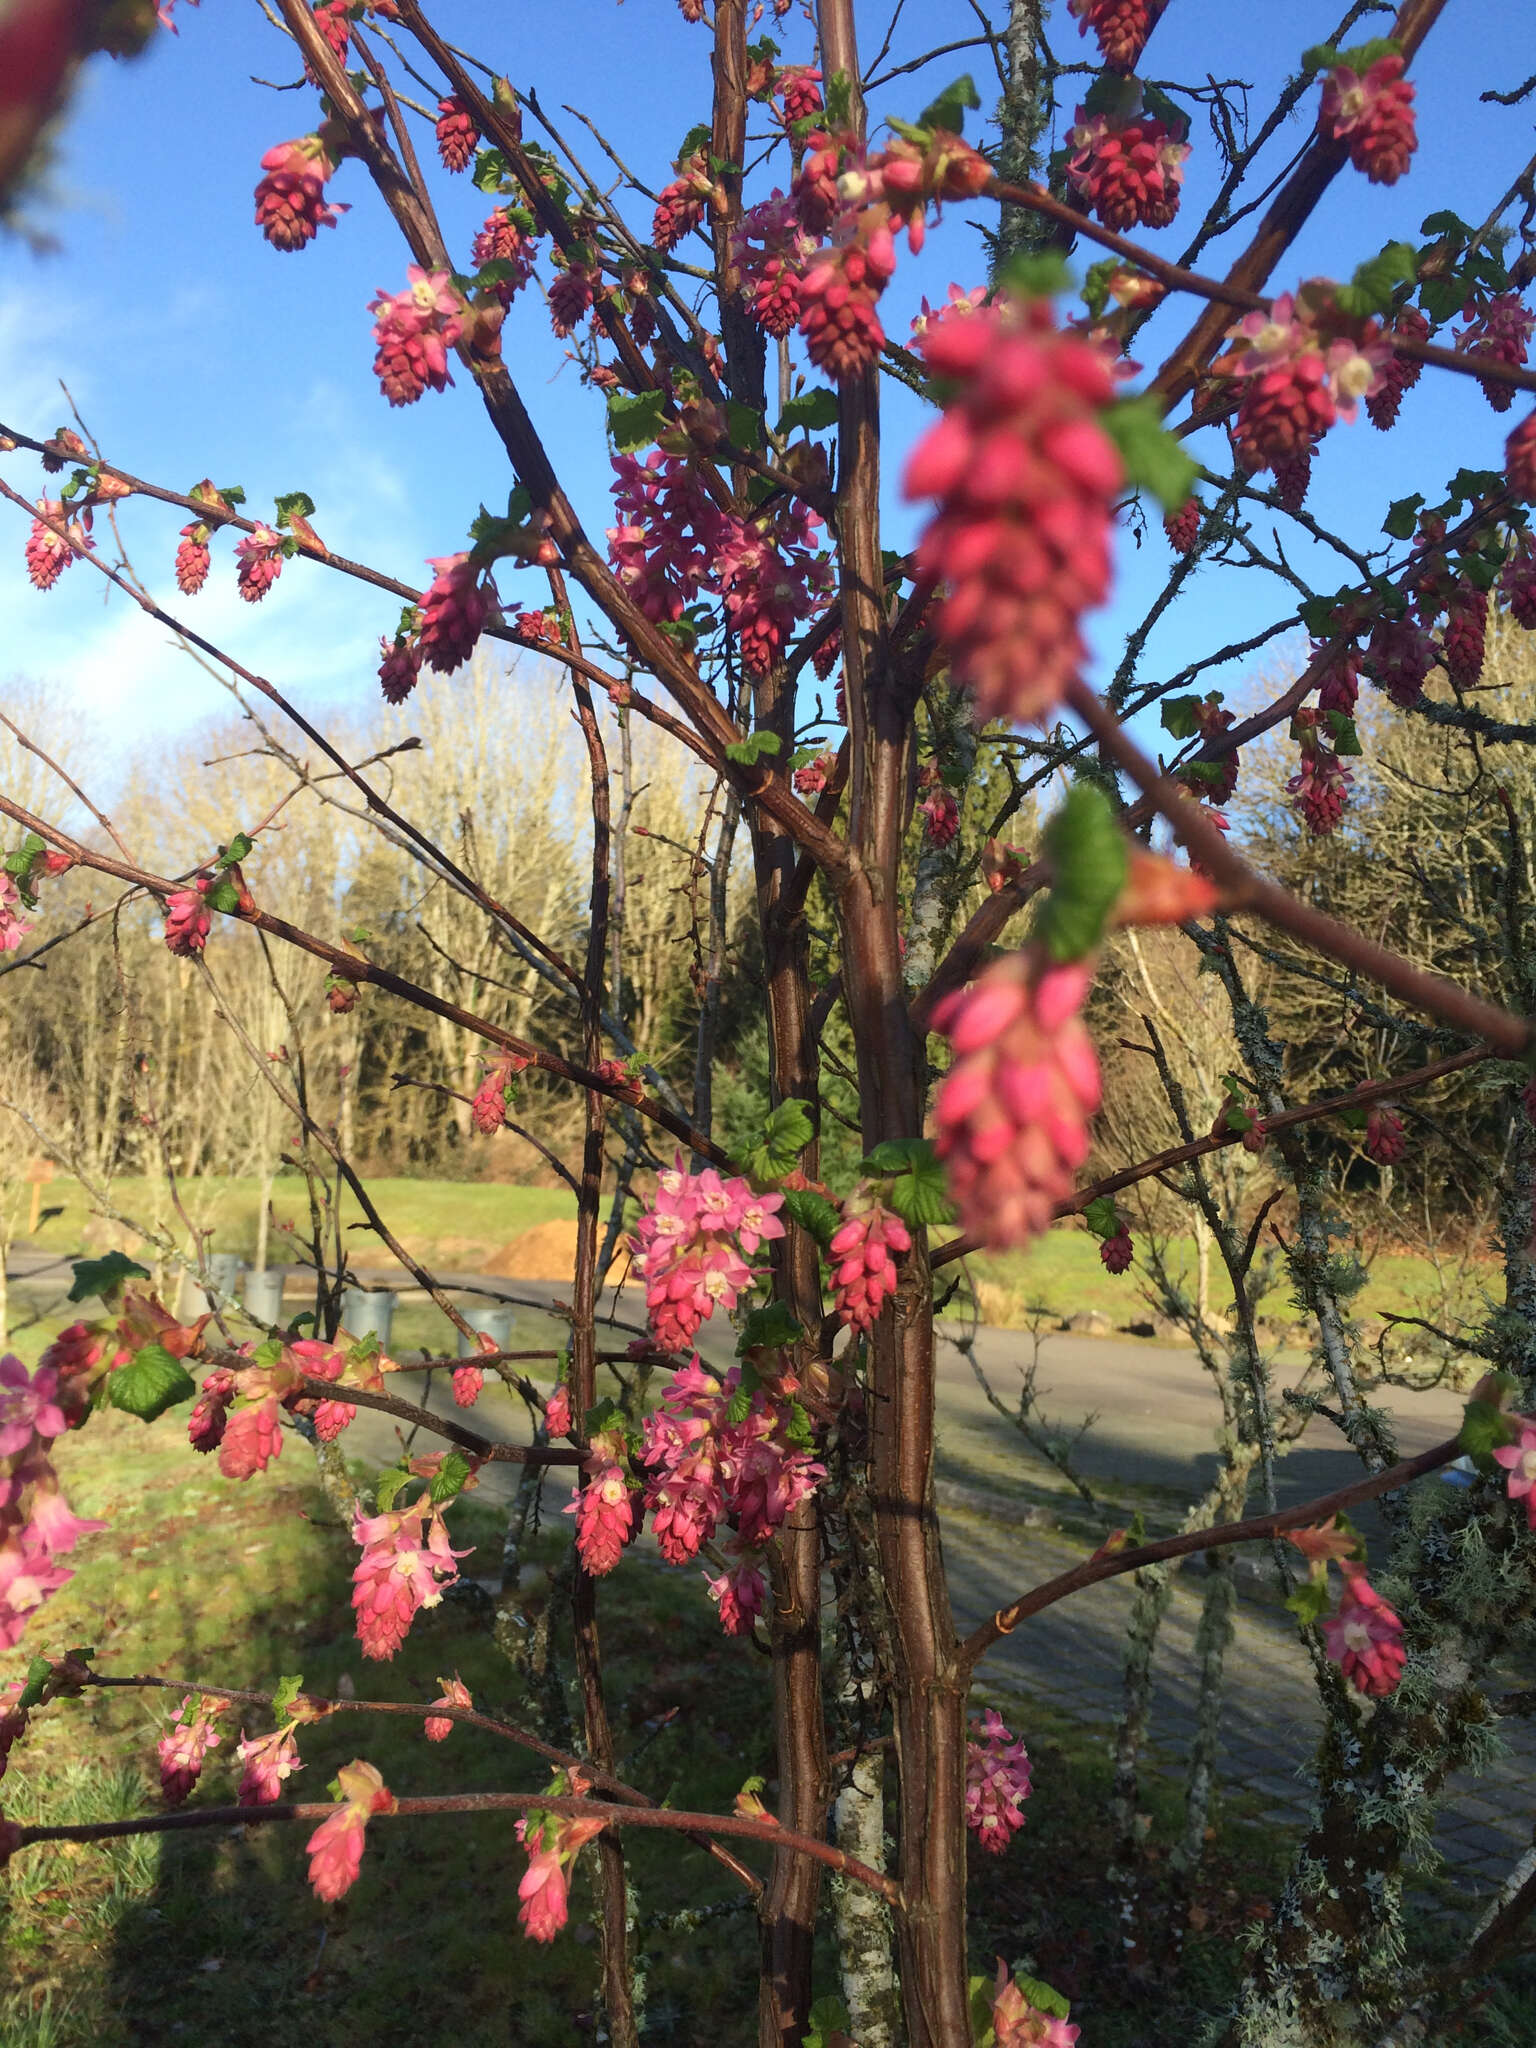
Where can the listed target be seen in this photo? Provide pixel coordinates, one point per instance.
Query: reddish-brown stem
(1093, 1569)
(1180, 1155)
(1509, 1035)
(423, 1418)
(734, 1826)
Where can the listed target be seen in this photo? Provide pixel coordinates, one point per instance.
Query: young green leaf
(768, 1328)
(787, 1130)
(812, 1212)
(387, 1486)
(104, 1276)
(449, 1478)
(812, 410)
(1484, 1429)
(1101, 1216)
(635, 418)
(1088, 859)
(1153, 459)
(1180, 716)
(490, 170)
(948, 111)
(149, 1383)
(747, 752)
(289, 1686)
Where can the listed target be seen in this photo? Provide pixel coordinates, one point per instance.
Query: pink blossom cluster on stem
(692, 1247)
(1297, 374)
(1371, 113)
(1126, 169)
(997, 1783)
(37, 1526)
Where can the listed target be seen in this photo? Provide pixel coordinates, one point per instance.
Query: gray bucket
(368, 1312)
(495, 1323)
(264, 1296)
(193, 1300)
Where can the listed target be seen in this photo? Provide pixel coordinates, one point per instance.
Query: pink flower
(265, 1765)
(210, 1412)
(668, 533)
(1018, 2024)
(1025, 479)
(181, 1751)
(941, 816)
(496, 1095)
(290, 199)
(399, 668)
(799, 87)
(1120, 26)
(29, 1575)
(770, 580)
(1519, 1461)
(336, 1846)
(997, 1783)
(1520, 459)
(958, 305)
(414, 330)
(188, 920)
(57, 1528)
(454, 612)
(604, 1511)
(1128, 172)
(28, 1405)
(1117, 1252)
(457, 136)
(251, 1439)
(404, 1566)
(771, 249)
(557, 1411)
(1365, 1637)
(455, 1693)
(680, 205)
(1320, 789)
(1501, 333)
(48, 554)
(739, 1594)
(1464, 640)
(1373, 115)
(467, 1382)
(863, 1260)
(839, 291)
(1517, 584)
(1013, 1110)
(508, 236)
(1399, 373)
(1398, 657)
(552, 1842)
(13, 928)
(570, 299)
(193, 558)
(260, 556)
(1385, 1138)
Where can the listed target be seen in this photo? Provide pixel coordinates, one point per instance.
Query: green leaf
(798, 1427)
(635, 418)
(450, 1477)
(151, 1382)
(1042, 276)
(839, 98)
(288, 1689)
(295, 501)
(39, 1671)
(812, 1212)
(1469, 485)
(388, 1485)
(747, 752)
(232, 494)
(1484, 1428)
(490, 170)
(1309, 1602)
(1101, 1216)
(948, 111)
(1153, 459)
(1180, 716)
(812, 410)
(1088, 866)
(979, 1991)
(744, 424)
(787, 1130)
(1442, 298)
(1403, 516)
(602, 1415)
(1043, 1996)
(1375, 283)
(1346, 740)
(697, 138)
(918, 1192)
(768, 1328)
(828, 2016)
(104, 1276)
(1447, 223)
(239, 848)
(225, 896)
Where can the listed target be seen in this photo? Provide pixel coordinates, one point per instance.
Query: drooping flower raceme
(184, 1747)
(36, 1525)
(1365, 1636)
(453, 613)
(457, 136)
(336, 1847)
(1017, 2023)
(1120, 26)
(260, 558)
(266, 1763)
(1012, 1112)
(290, 199)
(1127, 171)
(863, 1254)
(604, 1507)
(455, 1693)
(692, 1246)
(997, 1783)
(414, 330)
(1385, 1138)
(1372, 113)
(1501, 333)
(1025, 478)
(407, 1560)
(552, 1841)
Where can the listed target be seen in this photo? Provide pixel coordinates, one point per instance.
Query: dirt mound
(547, 1252)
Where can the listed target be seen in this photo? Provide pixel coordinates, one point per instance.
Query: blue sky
(192, 348)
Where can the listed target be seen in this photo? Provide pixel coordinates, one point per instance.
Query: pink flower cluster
(1385, 1138)
(1463, 643)
(1365, 1636)
(266, 1764)
(1296, 380)
(414, 331)
(260, 556)
(1127, 171)
(37, 1527)
(336, 1847)
(771, 249)
(193, 558)
(552, 1841)
(1499, 333)
(997, 1783)
(605, 1506)
(1025, 477)
(49, 554)
(290, 199)
(1012, 1112)
(184, 1747)
(406, 1561)
(663, 547)
(1183, 527)
(692, 1245)
(799, 87)
(455, 1693)
(770, 578)
(1319, 790)
(1517, 582)
(1397, 658)
(457, 136)
(508, 236)
(705, 1468)
(1016, 2023)
(680, 205)
(1117, 1250)
(863, 1255)
(1399, 373)
(1120, 26)
(453, 613)
(13, 927)
(496, 1096)
(739, 1595)
(1373, 115)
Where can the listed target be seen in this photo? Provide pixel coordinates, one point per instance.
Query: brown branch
(1180, 1155)
(669, 1819)
(1093, 1569)
(423, 1418)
